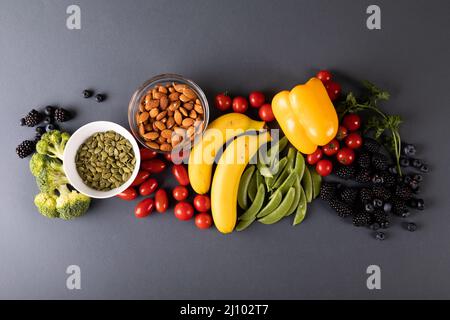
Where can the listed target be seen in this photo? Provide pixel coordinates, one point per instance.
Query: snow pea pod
(282, 209)
(271, 205)
(287, 169)
(316, 182)
(299, 165)
(307, 185)
(243, 187)
(244, 224)
(296, 201)
(277, 169)
(256, 205)
(288, 182)
(252, 187)
(301, 209)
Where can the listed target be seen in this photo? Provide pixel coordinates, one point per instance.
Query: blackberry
(371, 145)
(380, 161)
(349, 195)
(365, 195)
(33, 118)
(361, 219)
(345, 172)
(363, 160)
(380, 217)
(26, 148)
(342, 209)
(377, 179)
(381, 193)
(328, 190)
(399, 208)
(61, 115)
(403, 192)
(389, 180)
(374, 226)
(363, 176)
(369, 207)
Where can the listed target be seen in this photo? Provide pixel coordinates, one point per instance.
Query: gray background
(222, 45)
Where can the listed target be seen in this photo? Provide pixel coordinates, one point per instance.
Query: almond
(179, 87)
(154, 113)
(190, 131)
(142, 107)
(174, 105)
(198, 108)
(167, 133)
(176, 139)
(161, 126)
(187, 122)
(189, 93)
(197, 101)
(170, 113)
(179, 131)
(188, 105)
(171, 90)
(151, 135)
(152, 104)
(174, 96)
(184, 98)
(162, 89)
(165, 147)
(141, 129)
(161, 140)
(183, 111)
(143, 117)
(161, 115)
(148, 127)
(164, 102)
(178, 117)
(147, 99)
(152, 145)
(157, 95)
(170, 122)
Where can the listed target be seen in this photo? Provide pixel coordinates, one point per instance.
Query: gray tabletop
(222, 45)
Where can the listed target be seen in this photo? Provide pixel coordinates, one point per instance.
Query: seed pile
(105, 160)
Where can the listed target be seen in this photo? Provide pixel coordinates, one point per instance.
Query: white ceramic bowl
(74, 143)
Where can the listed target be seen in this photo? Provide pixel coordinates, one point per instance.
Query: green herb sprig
(380, 122)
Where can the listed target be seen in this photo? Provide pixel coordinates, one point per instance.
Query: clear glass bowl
(139, 94)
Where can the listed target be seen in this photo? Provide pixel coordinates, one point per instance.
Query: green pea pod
(316, 182)
(307, 185)
(256, 205)
(243, 187)
(299, 165)
(300, 213)
(264, 170)
(277, 169)
(288, 182)
(244, 224)
(271, 205)
(282, 209)
(296, 201)
(277, 149)
(259, 179)
(252, 187)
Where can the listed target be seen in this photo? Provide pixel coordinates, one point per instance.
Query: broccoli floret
(53, 143)
(40, 162)
(50, 179)
(71, 204)
(46, 204)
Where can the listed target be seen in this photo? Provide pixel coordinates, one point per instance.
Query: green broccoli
(50, 179)
(71, 204)
(40, 162)
(52, 144)
(46, 204)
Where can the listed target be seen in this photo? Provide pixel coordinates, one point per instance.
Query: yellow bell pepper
(306, 115)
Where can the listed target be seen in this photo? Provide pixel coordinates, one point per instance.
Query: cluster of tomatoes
(333, 88)
(146, 186)
(342, 146)
(240, 104)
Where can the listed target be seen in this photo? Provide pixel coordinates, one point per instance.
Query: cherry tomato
(331, 148)
(223, 102)
(345, 156)
(161, 201)
(354, 140)
(240, 104)
(147, 154)
(140, 178)
(324, 167)
(128, 194)
(153, 165)
(342, 133)
(324, 76)
(315, 156)
(144, 208)
(203, 220)
(177, 158)
(202, 203)
(180, 193)
(266, 113)
(183, 210)
(333, 89)
(148, 187)
(168, 156)
(181, 174)
(352, 122)
(256, 99)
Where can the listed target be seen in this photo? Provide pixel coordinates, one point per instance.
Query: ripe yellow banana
(204, 152)
(225, 184)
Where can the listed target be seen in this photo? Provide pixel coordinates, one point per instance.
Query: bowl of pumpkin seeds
(101, 159)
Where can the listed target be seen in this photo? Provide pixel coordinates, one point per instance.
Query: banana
(204, 152)
(225, 184)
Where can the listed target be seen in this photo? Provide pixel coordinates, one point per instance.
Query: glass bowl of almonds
(168, 112)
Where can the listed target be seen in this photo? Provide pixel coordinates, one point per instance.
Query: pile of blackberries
(380, 192)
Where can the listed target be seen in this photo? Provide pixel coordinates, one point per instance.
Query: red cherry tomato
(147, 154)
(331, 148)
(223, 102)
(180, 173)
(161, 201)
(183, 210)
(342, 133)
(240, 104)
(333, 89)
(148, 187)
(256, 99)
(203, 220)
(180, 193)
(177, 158)
(266, 113)
(168, 156)
(315, 156)
(352, 122)
(202, 203)
(140, 178)
(144, 208)
(153, 165)
(324, 167)
(324, 76)
(128, 194)
(354, 140)
(345, 156)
